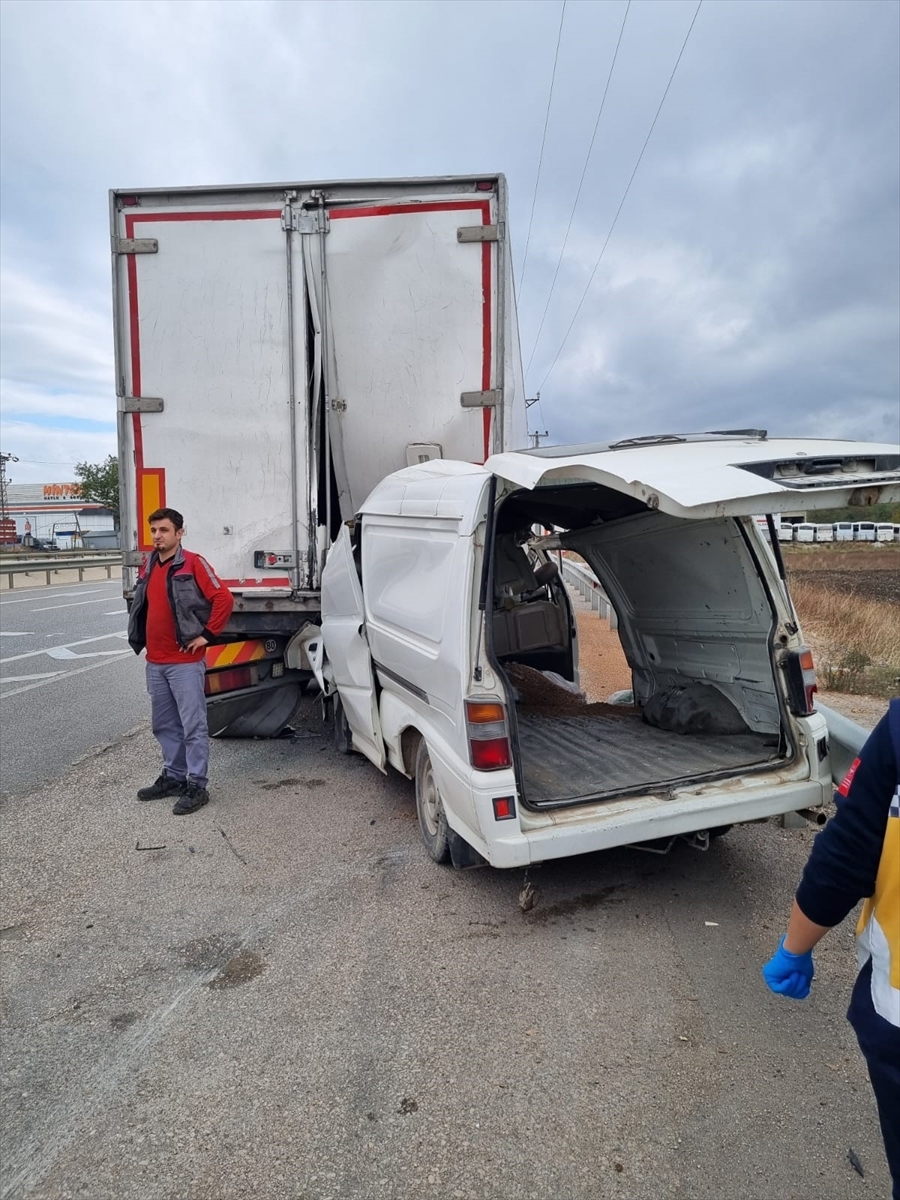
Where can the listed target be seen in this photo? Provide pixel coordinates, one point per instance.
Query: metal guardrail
(580, 578)
(50, 565)
(846, 739)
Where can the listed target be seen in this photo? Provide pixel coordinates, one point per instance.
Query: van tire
(430, 808)
(343, 738)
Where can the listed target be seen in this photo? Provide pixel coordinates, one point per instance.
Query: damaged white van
(443, 607)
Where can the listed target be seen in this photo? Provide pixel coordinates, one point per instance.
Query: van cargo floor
(567, 757)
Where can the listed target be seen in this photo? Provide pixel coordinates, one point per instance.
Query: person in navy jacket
(856, 856)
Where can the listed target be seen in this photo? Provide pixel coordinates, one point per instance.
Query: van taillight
(488, 736)
(800, 673)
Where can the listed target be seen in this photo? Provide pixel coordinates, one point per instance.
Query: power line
(624, 196)
(41, 462)
(562, 17)
(578, 192)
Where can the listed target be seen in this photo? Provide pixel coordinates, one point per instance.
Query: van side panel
(415, 574)
(417, 583)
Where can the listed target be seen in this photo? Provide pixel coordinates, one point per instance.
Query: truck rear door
(419, 360)
(210, 364)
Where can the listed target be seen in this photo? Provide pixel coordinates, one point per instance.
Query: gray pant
(178, 709)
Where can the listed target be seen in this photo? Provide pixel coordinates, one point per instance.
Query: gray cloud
(752, 278)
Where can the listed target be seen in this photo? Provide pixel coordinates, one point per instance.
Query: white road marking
(61, 677)
(26, 678)
(65, 654)
(77, 604)
(117, 613)
(83, 642)
(59, 596)
(7, 633)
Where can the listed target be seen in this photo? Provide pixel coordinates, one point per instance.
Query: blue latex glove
(789, 974)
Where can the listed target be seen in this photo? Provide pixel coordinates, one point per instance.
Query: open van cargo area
(596, 756)
(697, 625)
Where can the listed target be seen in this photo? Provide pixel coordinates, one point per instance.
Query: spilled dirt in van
(542, 697)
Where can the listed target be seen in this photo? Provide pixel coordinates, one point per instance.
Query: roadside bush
(856, 641)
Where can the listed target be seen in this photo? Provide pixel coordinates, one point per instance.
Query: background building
(55, 513)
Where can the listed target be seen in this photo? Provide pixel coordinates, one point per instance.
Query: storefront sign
(62, 491)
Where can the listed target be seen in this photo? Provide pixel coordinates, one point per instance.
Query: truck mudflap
(264, 711)
(249, 690)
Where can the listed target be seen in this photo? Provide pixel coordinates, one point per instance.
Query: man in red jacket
(179, 607)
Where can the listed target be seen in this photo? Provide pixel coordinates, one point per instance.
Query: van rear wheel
(430, 808)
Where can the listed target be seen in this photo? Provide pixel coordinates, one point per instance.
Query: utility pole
(7, 526)
(4, 459)
(535, 438)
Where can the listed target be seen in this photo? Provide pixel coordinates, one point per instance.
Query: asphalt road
(282, 998)
(68, 679)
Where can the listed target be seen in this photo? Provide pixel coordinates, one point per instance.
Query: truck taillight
(488, 736)
(800, 673)
(217, 682)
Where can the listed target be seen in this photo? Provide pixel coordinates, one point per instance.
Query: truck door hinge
(135, 246)
(338, 405)
(480, 233)
(134, 558)
(301, 221)
(140, 404)
(490, 399)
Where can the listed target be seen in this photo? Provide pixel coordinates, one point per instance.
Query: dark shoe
(164, 786)
(193, 797)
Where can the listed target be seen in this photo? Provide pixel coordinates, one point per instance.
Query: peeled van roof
(706, 475)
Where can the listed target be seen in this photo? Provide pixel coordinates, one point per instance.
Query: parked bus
(864, 531)
(824, 533)
(884, 532)
(843, 531)
(804, 532)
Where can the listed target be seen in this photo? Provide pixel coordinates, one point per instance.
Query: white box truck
(450, 643)
(279, 350)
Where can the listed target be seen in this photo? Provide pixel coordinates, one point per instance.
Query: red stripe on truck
(247, 214)
(486, 328)
(394, 210)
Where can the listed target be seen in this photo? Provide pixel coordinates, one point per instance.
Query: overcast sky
(752, 277)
